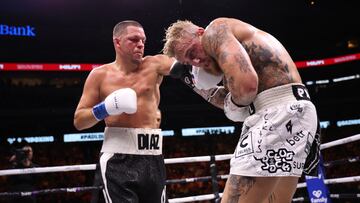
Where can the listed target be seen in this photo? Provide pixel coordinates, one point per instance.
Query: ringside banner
(88, 67)
(317, 190)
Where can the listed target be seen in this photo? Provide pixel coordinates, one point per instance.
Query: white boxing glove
(204, 80)
(234, 112)
(120, 101)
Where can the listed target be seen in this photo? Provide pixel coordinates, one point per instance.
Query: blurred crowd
(59, 154)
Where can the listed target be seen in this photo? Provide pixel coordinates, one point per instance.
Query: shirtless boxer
(279, 139)
(125, 94)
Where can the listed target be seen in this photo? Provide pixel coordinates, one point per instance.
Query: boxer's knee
(240, 189)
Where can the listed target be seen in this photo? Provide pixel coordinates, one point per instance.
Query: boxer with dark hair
(125, 94)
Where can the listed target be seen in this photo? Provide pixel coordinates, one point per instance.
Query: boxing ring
(213, 178)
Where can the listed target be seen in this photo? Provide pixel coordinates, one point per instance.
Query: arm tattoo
(218, 36)
(219, 42)
(234, 60)
(272, 71)
(215, 37)
(239, 185)
(230, 82)
(261, 57)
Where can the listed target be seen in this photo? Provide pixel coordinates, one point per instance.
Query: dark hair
(121, 27)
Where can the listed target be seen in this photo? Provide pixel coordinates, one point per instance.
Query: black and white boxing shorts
(281, 137)
(132, 166)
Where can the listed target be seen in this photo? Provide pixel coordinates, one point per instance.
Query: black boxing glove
(182, 72)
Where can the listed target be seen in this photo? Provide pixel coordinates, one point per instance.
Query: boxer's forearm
(215, 96)
(84, 119)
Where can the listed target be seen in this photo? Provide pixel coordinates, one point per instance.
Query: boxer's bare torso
(145, 80)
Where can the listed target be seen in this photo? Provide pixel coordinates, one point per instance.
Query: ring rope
(340, 141)
(187, 180)
(333, 196)
(52, 190)
(194, 198)
(335, 180)
(195, 179)
(174, 161)
(85, 167)
(167, 161)
(93, 166)
(221, 157)
(175, 200)
(83, 189)
(223, 177)
(342, 161)
(212, 196)
(185, 199)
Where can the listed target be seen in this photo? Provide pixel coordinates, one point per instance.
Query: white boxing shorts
(278, 137)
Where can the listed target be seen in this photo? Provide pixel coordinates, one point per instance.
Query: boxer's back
(269, 58)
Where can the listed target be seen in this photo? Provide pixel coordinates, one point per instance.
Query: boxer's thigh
(120, 181)
(284, 190)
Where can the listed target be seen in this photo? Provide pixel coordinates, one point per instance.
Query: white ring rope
(334, 196)
(52, 190)
(93, 166)
(340, 141)
(194, 198)
(300, 185)
(49, 169)
(189, 160)
(167, 161)
(212, 196)
(196, 179)
(335, 180)
(197, 159)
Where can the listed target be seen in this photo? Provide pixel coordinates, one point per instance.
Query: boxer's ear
(116, 41)
(200, 31)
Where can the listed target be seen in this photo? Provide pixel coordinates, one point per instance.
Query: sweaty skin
(144, 75)
(145, 80)
(129, 70)
(239, 49)
(257, 51)
(251, 59)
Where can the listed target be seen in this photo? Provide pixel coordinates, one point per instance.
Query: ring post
(213, 172)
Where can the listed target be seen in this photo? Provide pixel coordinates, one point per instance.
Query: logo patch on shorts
(245, 145)
(300, 92)
(277, 160)
(148, 141)
(295, 107)
(298, 137)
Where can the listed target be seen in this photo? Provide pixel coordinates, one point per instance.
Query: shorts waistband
(279, 95)
(141, 141)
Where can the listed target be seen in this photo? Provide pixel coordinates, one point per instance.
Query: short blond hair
(174, 33)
